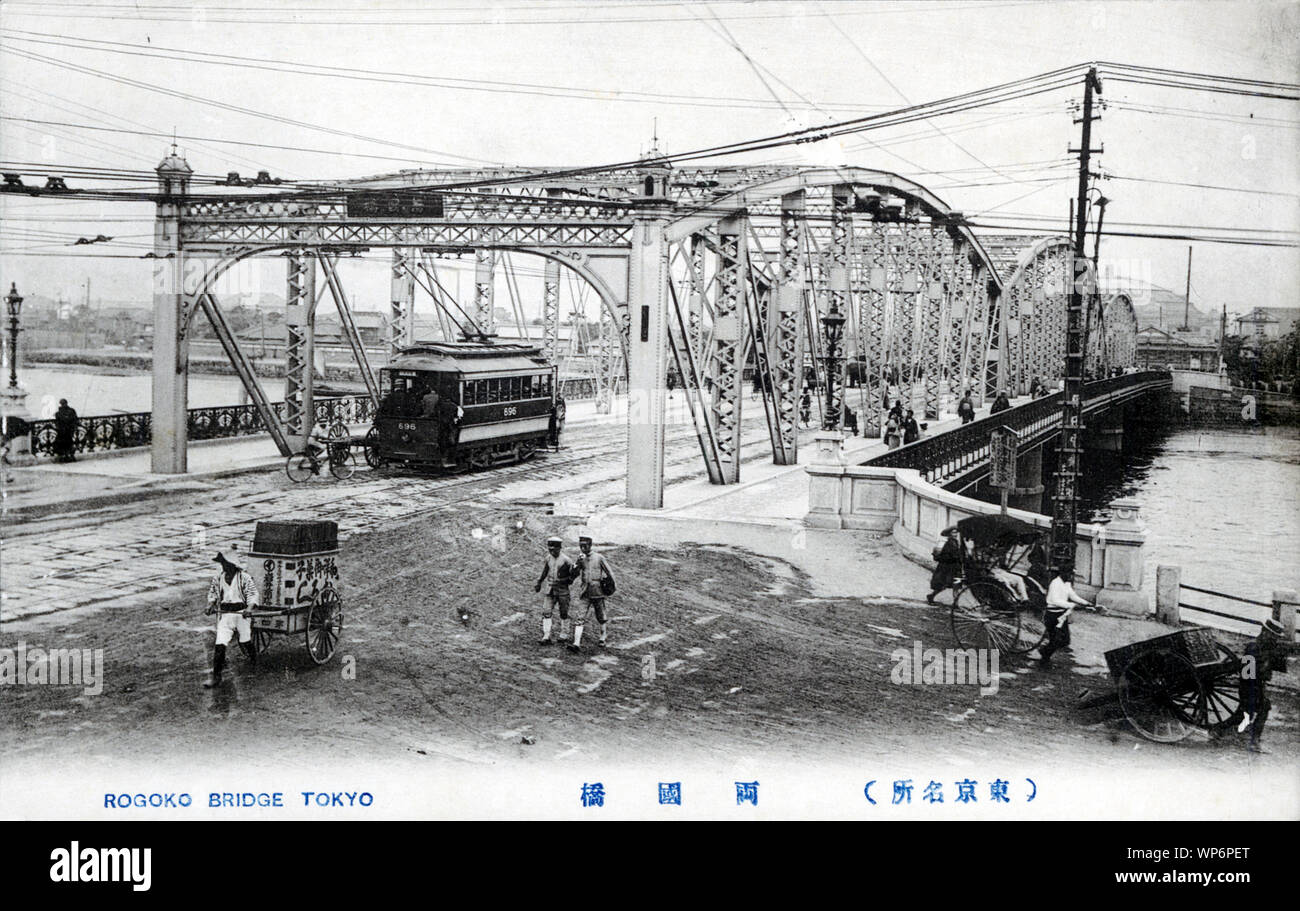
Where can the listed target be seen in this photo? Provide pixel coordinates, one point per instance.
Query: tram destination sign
(394, 204)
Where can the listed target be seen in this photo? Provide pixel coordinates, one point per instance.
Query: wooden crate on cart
(295, 566)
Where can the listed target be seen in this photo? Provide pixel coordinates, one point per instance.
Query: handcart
(1174, 683)
(295, 566)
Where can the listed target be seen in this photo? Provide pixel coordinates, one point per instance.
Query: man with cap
(233, 593)
(1061, 599)
(1263, 656)
(560, 570)
(594, 570)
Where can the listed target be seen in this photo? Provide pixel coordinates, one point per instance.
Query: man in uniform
(233, 593)
(593, 569)
(560, 570)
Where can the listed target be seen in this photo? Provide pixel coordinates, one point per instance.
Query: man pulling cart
(233, 594)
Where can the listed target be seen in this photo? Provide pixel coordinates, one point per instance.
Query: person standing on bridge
(966, 409)
(560, 570)
(596, 583)
(911, 430)
(65, 432)
(1001, 403)
(233, 594)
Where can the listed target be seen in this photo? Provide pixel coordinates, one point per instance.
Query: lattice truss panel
(299, 320)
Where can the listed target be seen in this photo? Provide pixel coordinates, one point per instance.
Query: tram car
(465, 405)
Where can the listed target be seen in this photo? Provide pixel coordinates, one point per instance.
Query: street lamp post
(13, 397)
(833, 327)
(13, 306)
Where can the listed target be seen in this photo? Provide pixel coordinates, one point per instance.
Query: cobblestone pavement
(104, 557)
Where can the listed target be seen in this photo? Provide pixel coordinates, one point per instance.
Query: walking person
(1261, 657)
(560, 570)
(948, 559)
(911, 430)
(233, 594)
(1061, 600)
(966, 409)
(805, 407)
(893, 431)
(1001, 403)
(596, 583)
(65, 432)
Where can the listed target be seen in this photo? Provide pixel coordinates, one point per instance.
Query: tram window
(494, 391)
(516, 388)
(470, 390)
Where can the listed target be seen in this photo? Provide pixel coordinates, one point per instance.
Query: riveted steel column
(929, 357)
(300, 333)
(729, 341)
(485, 260)
(787, 335)
(401, 322)
(170, 427)
(647, 298)
(906, 302)
(551, 311)
(695, 301)
(876, 253)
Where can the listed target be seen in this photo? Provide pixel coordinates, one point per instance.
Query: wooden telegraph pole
(1065, 500)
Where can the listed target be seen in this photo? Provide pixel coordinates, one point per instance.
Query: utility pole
(1187, 294)
(1065, 501)
(1094, 301)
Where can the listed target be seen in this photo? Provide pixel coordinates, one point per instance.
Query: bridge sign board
(1003, 443)
(390, 204)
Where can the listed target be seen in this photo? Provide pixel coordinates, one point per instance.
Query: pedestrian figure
(1061, 599)
(893, 431)
(911, 430)
(65, 432)
(596, 583)
(1037, 389)
(947, 558)
(1001, 403)
(850, 420)
(233, 594)
(559, 569)
(1264, 655)
(805, 407)
(966, 409)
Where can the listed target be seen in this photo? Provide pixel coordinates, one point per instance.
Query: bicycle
(302, 465)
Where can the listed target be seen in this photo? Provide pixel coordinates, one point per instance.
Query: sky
(576, 83)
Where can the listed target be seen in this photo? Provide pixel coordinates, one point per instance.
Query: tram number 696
(509, 411)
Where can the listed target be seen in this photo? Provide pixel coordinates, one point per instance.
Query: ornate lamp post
(13, 306)
(833, 328)
(13, 396)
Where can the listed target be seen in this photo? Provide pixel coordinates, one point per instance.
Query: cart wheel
(1219, 700)
(343, 464)
(338, 431)
(1033, 629)
(324, 625)
(373, 458)
(977, 621)
(1157, 691)
(299, 467)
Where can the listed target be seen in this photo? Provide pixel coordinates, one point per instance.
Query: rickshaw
(987, 612)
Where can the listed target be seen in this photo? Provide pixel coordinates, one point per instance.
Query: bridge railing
(103, 432)
(951, 454)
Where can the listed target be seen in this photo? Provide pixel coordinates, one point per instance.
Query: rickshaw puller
(1061, 599)
(233, 593)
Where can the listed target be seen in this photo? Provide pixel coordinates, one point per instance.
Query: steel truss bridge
(792, 271)
(960, 457)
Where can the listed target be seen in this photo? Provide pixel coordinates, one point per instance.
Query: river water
(1224, 505)
(108, 392)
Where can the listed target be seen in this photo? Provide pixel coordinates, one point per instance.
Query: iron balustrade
(947, 456)
(103, 432)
